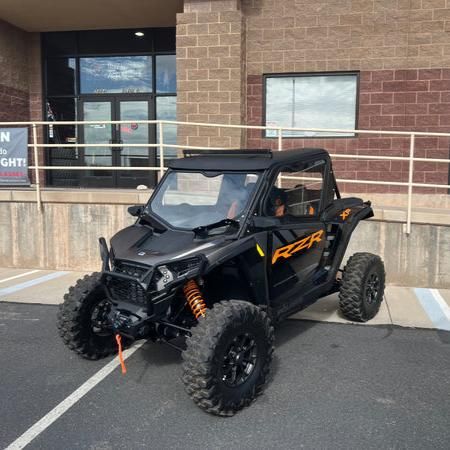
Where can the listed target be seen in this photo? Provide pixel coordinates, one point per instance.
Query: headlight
(172, 271)
(184, 266)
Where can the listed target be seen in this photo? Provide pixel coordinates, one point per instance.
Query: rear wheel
(228, 357)
(362, 287)
(82, 319)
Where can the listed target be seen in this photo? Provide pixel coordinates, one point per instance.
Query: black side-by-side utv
(230, 243)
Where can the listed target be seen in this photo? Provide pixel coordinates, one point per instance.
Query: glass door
(134, 109)
(97, 110)
(109, 108)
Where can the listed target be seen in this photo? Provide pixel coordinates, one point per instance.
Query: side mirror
(264, 223)
(135, 210)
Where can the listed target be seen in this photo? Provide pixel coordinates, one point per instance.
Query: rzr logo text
(305, 243)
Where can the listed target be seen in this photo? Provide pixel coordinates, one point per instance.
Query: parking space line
(67, 403)
(442, 303)
(26, 284)
(433, 304)
(19, 276)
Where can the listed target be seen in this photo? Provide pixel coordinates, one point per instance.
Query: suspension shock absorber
(195, 299)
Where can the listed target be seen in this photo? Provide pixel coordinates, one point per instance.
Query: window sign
(13, 156)
(311, 101)
(116, 74)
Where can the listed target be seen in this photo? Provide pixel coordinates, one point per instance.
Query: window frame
(290, 218)
(308, 75)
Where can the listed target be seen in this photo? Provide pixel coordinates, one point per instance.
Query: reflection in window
(62, 109)
(166, 75)
(166, 109)
(121, 74)
(319, 101)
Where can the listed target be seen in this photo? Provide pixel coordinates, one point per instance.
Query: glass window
(297, 192)
(60, 43)
(166, 74)
(62, 109)
(164, 39)
(133, 133)
(166, 109)
(61, 76)
(190, 200)
(118, 74)
(316, 101)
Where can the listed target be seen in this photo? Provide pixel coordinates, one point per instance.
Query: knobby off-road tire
(218, 344)
(75, 319)
(362, 287)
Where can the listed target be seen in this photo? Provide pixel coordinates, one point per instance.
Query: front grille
(127, 290)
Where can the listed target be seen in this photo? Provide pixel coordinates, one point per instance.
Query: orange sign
(305, 243)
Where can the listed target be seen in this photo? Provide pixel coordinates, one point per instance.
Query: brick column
(211, 72)
(35, 99)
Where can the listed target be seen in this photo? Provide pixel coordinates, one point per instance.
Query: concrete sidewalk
(403, 306)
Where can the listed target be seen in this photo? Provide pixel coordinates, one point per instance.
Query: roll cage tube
(326, 196)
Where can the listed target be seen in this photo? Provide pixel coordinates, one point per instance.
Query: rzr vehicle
(230, 243)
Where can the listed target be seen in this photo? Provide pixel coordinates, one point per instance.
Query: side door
(299, 241)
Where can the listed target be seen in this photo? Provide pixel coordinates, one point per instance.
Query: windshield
(192, 199)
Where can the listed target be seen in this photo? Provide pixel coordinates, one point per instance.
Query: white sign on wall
(14, 156)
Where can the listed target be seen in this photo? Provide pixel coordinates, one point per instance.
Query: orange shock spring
(195, 299)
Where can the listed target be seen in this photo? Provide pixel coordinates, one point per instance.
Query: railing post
(410, 182)
(161, 149)
(36, 168)
(280, 148)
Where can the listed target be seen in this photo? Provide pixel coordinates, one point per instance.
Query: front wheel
(362, 287)
(228, 357)
(82, 321)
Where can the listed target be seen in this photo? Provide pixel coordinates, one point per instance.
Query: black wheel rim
(239, 360)
(372, 288)
(100, 325)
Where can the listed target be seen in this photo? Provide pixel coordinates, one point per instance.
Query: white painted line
(431, 304)
(442, 303)
(73, 398)
(18, 276)
(27, 284)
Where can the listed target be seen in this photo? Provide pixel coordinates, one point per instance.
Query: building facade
(338, 64)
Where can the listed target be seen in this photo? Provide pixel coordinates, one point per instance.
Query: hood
(139, 244)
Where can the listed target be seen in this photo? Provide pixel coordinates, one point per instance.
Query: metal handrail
(161, 145)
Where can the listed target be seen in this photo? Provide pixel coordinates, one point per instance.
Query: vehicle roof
(249, 161)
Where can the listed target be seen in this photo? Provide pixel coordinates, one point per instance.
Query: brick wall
(402, 50)
(391, 100)
(326, 35)
(13, 73)
(210, 71)
(20, 80)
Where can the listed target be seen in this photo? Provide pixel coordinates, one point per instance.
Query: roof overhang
(70, 15)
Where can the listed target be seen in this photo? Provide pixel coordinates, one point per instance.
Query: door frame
(116, 181)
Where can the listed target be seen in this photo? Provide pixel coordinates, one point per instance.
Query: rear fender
(345, 230)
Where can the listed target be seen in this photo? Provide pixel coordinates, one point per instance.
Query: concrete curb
(402, 306)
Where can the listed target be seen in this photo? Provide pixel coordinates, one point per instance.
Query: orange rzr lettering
(305, 243)
(344, 214)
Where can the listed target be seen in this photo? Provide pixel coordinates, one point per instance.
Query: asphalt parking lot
(333, 386)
